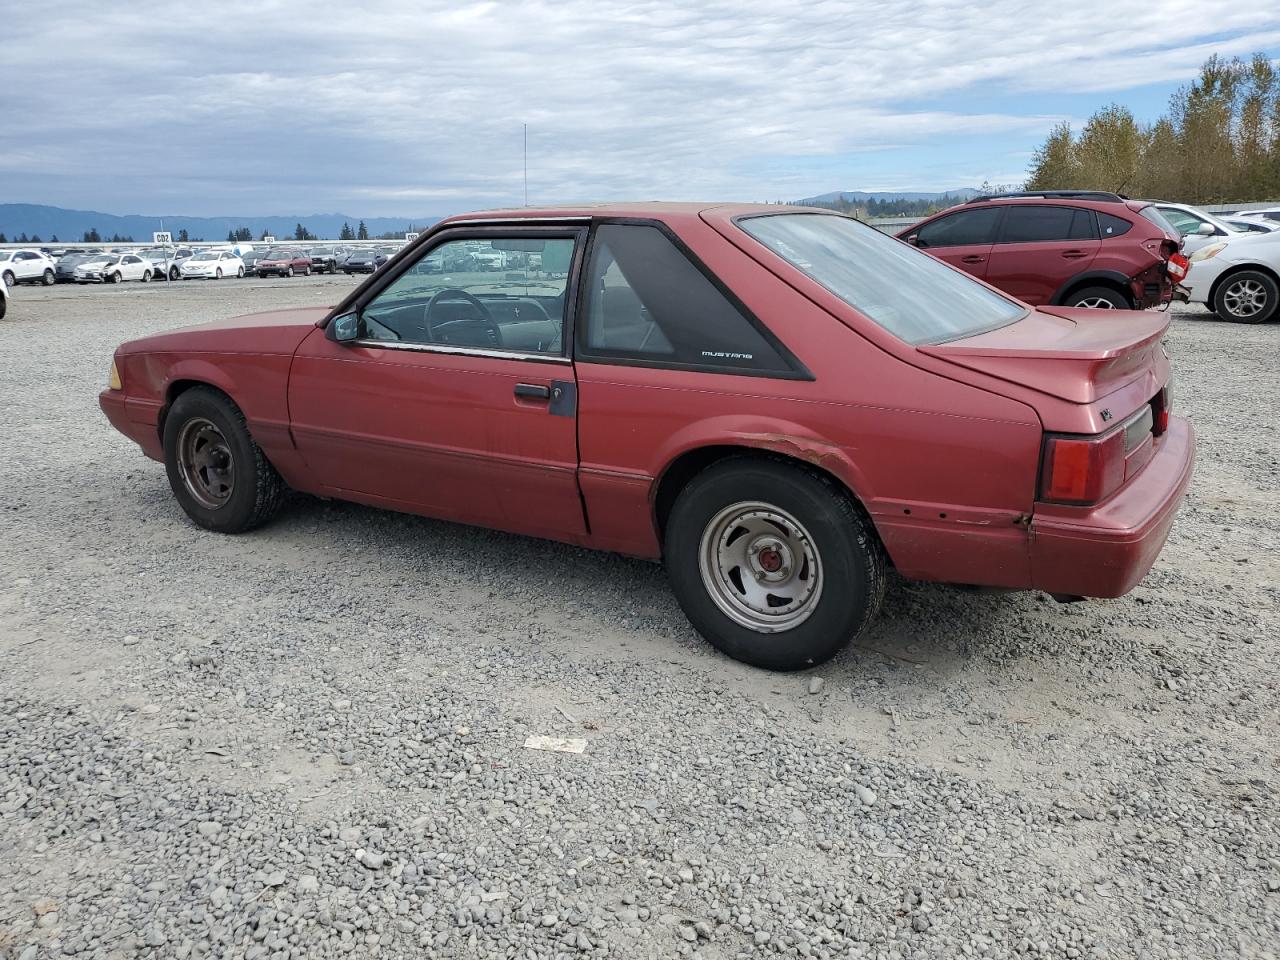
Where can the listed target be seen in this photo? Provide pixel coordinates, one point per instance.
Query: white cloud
(412, 102)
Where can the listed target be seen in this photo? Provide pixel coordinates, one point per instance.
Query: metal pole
(525, 126)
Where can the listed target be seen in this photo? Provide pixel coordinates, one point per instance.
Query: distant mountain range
(862, 196)
(36, 219)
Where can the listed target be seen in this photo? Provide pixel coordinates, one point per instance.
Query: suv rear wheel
(1099, 298)
(1248, 296)
(772, 563)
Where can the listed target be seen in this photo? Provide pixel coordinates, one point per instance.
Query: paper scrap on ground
(559, 744)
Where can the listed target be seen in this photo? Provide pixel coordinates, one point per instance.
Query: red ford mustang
(778, 402)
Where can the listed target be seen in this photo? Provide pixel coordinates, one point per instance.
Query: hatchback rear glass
(915, 297)
(1160, 220)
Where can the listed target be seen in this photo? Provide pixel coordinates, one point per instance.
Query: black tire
(174, 273)
(239, 273)
(306, 271)
(1247, 290)
(257, 490)
(849, 557)
(117, 277)
(1094, 296)
(217, 273)
(47, 278)
(4, 306)
(146, 276)
(289, 271)
(9, 279)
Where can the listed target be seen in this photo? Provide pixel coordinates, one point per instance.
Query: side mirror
(1206, 229)
(914, 240)
(344, 329)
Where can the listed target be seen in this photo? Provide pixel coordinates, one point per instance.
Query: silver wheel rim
(1245, 298)
(206, 463)
(761, 567)
(1096, 303)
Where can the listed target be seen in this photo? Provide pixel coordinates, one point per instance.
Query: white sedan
(113, 268)
(212, 265)
(1238, 278)
(26, 266)
(4, 299)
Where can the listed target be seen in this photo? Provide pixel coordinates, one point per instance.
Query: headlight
(1208, 253)
(114, 380)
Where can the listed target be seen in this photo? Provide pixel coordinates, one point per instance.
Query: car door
(133, 267)
(451, 395)
(1040, 248)
(962, 239)
(27, 265)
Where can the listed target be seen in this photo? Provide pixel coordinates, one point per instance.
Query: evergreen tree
(362, 232)
(23, 238)
(91, 236)
(346, 233)
(3, 238)
(35, 238)
(182, 237)
(54, 238)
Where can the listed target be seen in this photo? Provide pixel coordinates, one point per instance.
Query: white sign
(268, 239)
(410, 236)
(162, 237)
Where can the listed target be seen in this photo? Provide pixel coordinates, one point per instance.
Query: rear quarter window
(1110, 226)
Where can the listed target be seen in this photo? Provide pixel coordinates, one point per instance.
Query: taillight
(1161, 407)
(1080, 469)
(1084, 470)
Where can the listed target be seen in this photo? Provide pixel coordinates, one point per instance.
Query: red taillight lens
(1082, 469)
(1162, 407)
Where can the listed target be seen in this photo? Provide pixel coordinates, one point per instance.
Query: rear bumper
(137, 423)
(1105, 551)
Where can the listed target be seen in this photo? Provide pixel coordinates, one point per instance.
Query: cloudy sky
(415, 107)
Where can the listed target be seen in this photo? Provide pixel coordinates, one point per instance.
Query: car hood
(273, 332)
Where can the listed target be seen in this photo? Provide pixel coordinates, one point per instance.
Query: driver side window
(496, 293)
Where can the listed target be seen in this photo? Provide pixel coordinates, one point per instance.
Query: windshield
(909, 293)
(1159, 219)
(207, 255)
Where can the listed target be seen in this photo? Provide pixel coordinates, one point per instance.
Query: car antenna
(525, 129)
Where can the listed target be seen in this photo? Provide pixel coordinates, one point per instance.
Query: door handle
(533, 391)
(972, 259)
(1073, 254)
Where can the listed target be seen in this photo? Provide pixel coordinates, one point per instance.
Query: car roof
(667, 212)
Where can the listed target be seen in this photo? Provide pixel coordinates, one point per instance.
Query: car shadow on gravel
(507, 575)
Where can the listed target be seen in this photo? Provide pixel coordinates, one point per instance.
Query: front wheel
(1249, 296)
(217, 274)
(1099, 298)
(218, 474)
(47, 278)
(174, 274)
(117, 277)
(773, 563)
(288, 272)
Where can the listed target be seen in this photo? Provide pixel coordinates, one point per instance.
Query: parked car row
(98, 265)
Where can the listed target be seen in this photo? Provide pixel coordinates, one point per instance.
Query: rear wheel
(218, 474)
(9, 278)
(47, 278)
(1099, 298)
(1249, 296)
(146, 276)
(306, 271)
(239, 272)
(772, 563)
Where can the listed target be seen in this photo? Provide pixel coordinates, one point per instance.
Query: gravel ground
(309, 741)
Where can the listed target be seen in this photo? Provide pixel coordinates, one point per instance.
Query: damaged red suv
(779, 403)
(1075, 248)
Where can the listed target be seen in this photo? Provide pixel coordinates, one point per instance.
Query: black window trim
(582, 353)
(476, 230)
(1093, 220)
